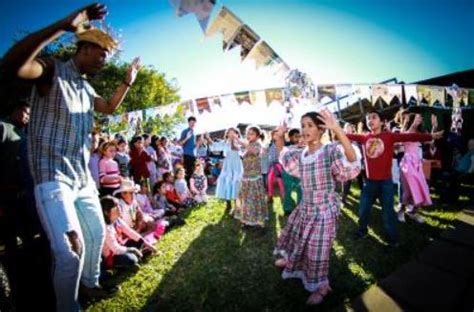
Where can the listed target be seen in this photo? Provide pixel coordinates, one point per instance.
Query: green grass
(212, 264)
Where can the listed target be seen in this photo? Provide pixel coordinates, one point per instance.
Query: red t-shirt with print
(378, 150)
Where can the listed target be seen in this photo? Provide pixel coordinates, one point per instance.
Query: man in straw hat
(58, 141)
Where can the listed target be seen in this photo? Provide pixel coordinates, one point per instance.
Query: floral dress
(306, 240)
(251, 206)
(199, 184)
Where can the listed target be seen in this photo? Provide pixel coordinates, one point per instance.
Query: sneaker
(417, 217)
(401, 216)
(87, 294)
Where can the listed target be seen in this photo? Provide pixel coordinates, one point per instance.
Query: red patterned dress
(251, 206)
(306, 240)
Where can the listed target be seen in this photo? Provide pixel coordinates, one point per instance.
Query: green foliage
(150, 89)
(164, 126)
(212, 264)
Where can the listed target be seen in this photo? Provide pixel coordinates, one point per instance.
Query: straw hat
(126, 186)
(99, 37)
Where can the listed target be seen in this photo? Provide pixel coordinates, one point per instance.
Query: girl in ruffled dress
(305, 243)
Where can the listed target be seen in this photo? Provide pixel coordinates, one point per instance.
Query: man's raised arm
(21, 59)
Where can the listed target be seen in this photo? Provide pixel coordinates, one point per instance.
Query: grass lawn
(211, 264)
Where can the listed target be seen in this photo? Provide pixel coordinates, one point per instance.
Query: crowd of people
(103, 201)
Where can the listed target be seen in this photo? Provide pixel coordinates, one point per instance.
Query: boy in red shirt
(378, 152)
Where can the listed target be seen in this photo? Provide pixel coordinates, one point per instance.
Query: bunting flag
(215, 103)
(344, 94)
(463, 96)
(395, 94)
(246, 38)
(202, 105)
(326, 93)
(257, 97)
(229, 101)
(361, 91)
(424, 95)
(274, 95)
(263, 55)
(281, 68)
(471, 97)
(411, 94)
(227, 23)
(187, 107)
(380, 95)
(201, 8)
(134, 117)
(242, 97)
(151, 113)
(437, 96)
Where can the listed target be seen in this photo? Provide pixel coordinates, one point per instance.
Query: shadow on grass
(221, 269)
(228, 268)
(213, 264)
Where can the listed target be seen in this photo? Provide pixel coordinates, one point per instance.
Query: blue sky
(336, 41)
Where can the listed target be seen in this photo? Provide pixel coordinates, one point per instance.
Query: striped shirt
(107, 168)
(59, 130)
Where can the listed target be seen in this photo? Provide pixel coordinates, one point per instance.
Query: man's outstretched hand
(78, 21)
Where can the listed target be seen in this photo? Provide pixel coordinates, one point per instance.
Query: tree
(150, 89)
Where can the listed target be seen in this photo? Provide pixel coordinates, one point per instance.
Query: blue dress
(228, 183)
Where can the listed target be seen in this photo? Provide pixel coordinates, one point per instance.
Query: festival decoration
(246, 38)
(226, 23)
(201, 8)
(298, 85)
(202, 105)
(380, 95)
(326, 93)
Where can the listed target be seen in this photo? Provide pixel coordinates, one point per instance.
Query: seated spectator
(146, 204)
(181, 187)
(198, 183)
(160, 201)
(122, 246)
(171, 194)
(130, 210)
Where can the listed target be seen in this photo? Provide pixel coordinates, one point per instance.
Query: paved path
(440, 278)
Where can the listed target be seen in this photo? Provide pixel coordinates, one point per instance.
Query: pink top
(115, 240)
(107, 168)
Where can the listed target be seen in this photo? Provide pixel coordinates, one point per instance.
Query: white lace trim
(311, 287)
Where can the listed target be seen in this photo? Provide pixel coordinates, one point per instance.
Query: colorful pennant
(242, 97)
(326, 93)
(274, 95)
(380, 94)
(246, 38)
(226, 23)
(202, 105)
(263, 55)
(201, 8)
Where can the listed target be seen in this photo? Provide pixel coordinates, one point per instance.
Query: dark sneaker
(96, 293)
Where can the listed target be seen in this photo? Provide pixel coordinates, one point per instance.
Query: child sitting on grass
(122, 246)
(198, 183)
(181, 187)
